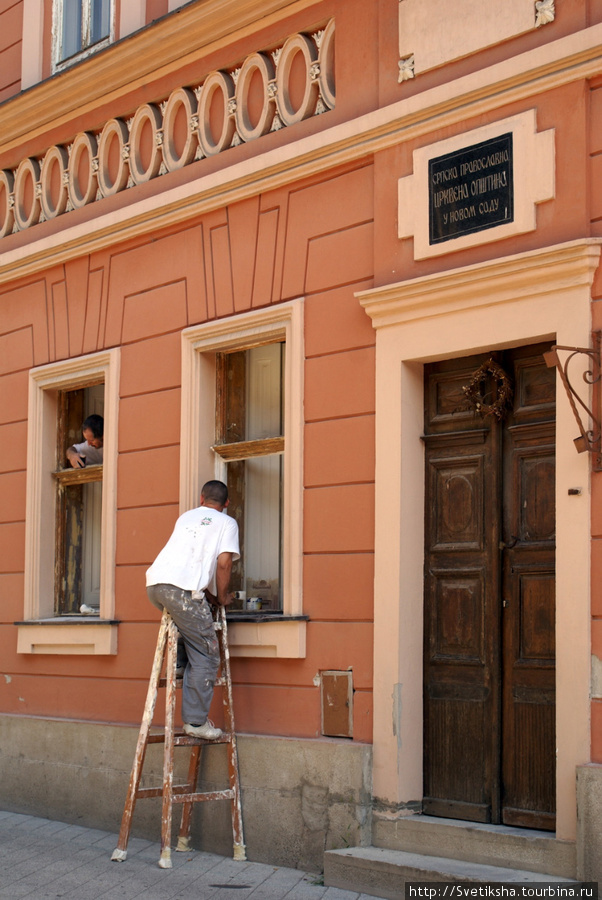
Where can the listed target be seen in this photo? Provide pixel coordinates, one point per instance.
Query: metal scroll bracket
(589, 423)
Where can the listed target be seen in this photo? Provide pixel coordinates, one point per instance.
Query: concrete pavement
(47, 860)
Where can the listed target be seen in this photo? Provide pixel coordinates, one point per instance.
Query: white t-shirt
(92, 455)
(188, 560)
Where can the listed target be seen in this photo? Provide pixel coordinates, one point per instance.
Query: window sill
(267, 635)
(68, 636)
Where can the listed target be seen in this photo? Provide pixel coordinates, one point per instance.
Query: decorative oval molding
(298, 45)
(7, 218)
(147, 118)
(82, 153)
(224, 84)
(113, 153)
(326, 60)
(54, 179)
(27, 200)
(265, 93)
(178, 153)
(262, 65)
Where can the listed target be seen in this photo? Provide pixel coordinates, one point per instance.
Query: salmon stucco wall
(11, 30)
(313, 242)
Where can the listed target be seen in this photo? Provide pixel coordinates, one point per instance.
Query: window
(78, 509)
(250, 442)
(71, 513)
(242, 422)
(81, 27)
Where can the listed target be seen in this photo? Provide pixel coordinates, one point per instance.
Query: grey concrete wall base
(589, 822)
(299, 797)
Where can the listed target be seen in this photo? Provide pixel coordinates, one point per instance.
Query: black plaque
(471, 189)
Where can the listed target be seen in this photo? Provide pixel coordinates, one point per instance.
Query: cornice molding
(563, 267)
(131, 62)
(570, 59)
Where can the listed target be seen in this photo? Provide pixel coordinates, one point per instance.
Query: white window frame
(58, 63)
(42, 631)
(284, 637)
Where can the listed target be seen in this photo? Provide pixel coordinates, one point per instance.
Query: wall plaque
(471, 189)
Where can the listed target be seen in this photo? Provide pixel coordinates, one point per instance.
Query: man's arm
(74, 458)
(222, 579)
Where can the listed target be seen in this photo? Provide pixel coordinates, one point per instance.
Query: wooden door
(489, 732)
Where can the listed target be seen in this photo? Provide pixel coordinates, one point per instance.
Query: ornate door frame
(535, 296)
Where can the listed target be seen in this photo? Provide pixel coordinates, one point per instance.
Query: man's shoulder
(207, 515)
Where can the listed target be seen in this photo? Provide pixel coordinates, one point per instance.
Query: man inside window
(193, 567)
(89, 452)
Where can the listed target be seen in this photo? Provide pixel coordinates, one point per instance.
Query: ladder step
(186, 740)
(183, 794)
(219, 682)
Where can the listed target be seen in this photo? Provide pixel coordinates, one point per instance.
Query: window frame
(58, 63)
(200, 344)
(43, 631)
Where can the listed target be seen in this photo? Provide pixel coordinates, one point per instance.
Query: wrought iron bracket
(589, 422)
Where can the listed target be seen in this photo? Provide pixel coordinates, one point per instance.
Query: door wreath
(490, 370)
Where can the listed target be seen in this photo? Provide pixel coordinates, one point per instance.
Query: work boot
(208, 731)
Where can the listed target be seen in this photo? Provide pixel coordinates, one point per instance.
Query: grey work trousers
(195, 624)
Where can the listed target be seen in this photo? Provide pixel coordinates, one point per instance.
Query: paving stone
(41, 859)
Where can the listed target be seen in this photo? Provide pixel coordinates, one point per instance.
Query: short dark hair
(96, 424)
(216, 491)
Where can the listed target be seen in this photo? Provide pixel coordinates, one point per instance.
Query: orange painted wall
(11, 30)
(287, 244)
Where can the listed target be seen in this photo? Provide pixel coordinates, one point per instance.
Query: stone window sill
(68, 636)
(267, 635)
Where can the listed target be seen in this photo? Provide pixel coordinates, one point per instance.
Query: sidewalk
(47, 860)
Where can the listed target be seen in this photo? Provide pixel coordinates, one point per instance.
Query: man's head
(93, 430)
(214, 494)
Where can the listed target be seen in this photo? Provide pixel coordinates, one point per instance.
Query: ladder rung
(183, 793)
(227, 794)
(187, 740)
(179, 682)
(219, 682)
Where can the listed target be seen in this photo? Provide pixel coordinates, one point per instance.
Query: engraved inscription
(471, 189)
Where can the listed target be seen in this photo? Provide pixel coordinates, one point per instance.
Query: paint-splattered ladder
(187, 793)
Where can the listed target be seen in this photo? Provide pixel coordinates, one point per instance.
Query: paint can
(254, 603)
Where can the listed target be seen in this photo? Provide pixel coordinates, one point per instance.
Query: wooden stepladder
(187, 793)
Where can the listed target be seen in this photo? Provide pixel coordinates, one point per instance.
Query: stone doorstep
(384, 873)
(473, 842)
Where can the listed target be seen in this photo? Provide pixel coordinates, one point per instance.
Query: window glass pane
(92, 521)
(69, 570)
(255, 488)
(100, 20)
(252, 394)
(71, 36)
(263, 392)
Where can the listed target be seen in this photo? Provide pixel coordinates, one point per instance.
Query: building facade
(345, 256)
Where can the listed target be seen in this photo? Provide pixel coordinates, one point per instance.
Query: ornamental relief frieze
(163, 137)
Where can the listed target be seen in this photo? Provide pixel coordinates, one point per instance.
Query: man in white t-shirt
(90, 450)
(196, 563)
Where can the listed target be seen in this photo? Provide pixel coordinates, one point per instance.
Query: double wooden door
(489, 670)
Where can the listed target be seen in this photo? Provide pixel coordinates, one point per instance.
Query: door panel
(489, 596)
(528, 590)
